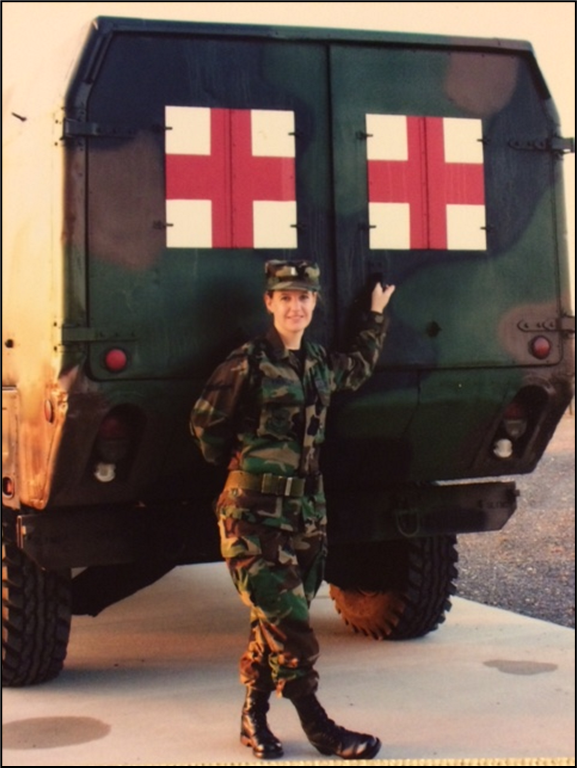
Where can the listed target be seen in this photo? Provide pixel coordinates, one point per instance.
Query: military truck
(144, 193)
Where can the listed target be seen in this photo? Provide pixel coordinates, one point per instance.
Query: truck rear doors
(431, 163)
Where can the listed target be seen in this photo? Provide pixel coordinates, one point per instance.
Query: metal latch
(566, 324)
(563, 146)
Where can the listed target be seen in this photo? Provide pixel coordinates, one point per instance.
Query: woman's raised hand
(381, 296)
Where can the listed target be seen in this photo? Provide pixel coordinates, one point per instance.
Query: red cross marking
(231, 177)
(426, 182)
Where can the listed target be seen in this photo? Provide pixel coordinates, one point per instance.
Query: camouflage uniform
(264, 412)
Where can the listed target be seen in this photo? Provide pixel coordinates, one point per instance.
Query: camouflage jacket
(260, 413)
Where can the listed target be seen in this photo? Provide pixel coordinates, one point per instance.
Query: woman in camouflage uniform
(263, 412)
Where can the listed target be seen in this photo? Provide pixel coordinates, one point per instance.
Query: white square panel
(188, 130)
(273, 224)
(463, 140)
(392, 225)
(273, 133)
(191, 222)
(387, 139)
(464, 228)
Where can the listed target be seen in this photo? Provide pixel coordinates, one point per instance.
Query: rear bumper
(179, 533)
(432, 510)
(94, 536)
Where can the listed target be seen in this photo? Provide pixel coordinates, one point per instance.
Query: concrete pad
(154, 680)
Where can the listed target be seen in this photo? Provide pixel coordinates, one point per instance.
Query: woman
(263, 412)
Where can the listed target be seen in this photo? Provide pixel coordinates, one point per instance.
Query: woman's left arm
(351, 369)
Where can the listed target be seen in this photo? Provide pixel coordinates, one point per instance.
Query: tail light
(116, 443)
(518, 422)
(515, 420)
(113, 440)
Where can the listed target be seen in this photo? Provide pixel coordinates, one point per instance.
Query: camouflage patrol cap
(292, 276)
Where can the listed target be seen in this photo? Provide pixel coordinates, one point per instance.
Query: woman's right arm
(212, 420)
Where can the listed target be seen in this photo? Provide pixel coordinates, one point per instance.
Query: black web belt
(275, 485)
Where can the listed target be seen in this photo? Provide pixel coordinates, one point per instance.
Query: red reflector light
(515, 420)
(112, 443)
(8, 487)
(113, 428)
(515, 411)
(116, 360)
(540, 347)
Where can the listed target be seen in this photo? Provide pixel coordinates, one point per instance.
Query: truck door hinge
(563, 324)
(78, 129)
(77, 335)
(556, 145)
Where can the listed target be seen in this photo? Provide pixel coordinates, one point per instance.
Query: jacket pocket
(281, 405)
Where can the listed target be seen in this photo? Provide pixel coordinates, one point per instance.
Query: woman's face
(292, 311)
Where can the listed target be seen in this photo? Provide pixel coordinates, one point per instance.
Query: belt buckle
(288, 486)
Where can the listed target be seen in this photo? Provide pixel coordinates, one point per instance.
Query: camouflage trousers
(277, 573)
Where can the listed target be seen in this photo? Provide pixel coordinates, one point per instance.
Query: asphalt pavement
(153, 680)
(529, 566)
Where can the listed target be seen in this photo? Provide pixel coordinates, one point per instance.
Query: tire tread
(35, 619)
(417, 603)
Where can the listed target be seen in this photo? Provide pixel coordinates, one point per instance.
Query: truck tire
(35, 619)
(401, 589)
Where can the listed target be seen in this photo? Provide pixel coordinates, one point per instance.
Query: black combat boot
(328, 737)
(254, 730)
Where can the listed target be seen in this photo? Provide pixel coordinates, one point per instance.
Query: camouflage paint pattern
(91, 257)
